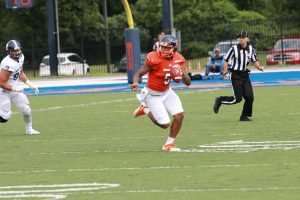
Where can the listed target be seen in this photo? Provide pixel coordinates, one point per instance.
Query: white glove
(17, 88)
(32, 87)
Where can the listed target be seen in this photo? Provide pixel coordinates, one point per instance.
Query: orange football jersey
(159, 77)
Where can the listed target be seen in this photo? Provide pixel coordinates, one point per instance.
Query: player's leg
(208, 68)
(249, 98)
(5, 107)
(237, 86)
(220, 68)
(22, 103)
(157, 111)
(174, 107)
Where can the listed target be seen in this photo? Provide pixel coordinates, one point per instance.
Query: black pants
(242, 88)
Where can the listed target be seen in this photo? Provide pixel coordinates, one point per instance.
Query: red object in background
(129, 54)
(285, 51)
(18, 3)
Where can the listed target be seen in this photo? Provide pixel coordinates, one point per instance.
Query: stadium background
(197, 37)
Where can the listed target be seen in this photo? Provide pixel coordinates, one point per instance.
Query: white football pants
(19, 99)
(160, 105)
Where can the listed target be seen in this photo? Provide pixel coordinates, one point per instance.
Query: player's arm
(4, 76)
(25, 80)
(255, 62)
(258, 66)
(227, 58)
(185, 77)
(225, 72)
(139, 74)
(23, 77)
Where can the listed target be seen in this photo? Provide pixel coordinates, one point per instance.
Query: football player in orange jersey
(157, 98)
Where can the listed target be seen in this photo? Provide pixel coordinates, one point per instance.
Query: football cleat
(32, 132)
(170, 147)
(140, 110)
(217, 105)
(245, 118)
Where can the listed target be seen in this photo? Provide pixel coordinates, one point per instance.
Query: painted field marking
(142, 168)
(55, 191)
(241, 146)
(228, 146)
(81, 105)
(244, 189)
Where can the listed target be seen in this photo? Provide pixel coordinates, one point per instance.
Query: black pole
(166, 16)
(52, 37)
(167, 11)
(33, 55)
(107, 43)
(281, 39)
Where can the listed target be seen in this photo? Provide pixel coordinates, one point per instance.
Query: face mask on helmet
(167, 46)
(13, 48)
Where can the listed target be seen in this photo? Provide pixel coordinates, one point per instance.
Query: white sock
(28, 126)
(28, 121)
(170, 140)
(146, 110)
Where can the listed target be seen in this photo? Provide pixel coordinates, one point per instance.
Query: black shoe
(244, 118)
(217, 104)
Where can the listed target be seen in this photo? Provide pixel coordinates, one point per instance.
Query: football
(176, 73)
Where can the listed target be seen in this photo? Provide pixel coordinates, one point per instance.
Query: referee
(239, 56)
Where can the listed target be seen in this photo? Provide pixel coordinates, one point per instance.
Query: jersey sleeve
(179, 59)
(254, 56)
(6, 65)
(229, 54)
(151, 58)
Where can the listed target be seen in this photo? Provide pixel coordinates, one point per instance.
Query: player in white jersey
(11, 72)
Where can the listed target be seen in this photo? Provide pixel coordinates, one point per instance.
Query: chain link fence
(196, 43)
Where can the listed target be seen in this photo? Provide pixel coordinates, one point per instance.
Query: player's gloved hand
(32, 87)
(134, 86)
(17, 88)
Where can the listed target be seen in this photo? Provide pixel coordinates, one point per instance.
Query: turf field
(91, 148)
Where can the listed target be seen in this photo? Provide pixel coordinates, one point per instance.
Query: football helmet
(167, 46)
(13, 48)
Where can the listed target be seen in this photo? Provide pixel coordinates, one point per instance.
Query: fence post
(281, 38)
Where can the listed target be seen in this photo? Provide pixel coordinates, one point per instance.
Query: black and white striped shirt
(239, 58)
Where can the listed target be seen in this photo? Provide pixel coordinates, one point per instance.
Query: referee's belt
(240, 72)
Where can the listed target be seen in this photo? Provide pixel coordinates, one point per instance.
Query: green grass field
(93, 140)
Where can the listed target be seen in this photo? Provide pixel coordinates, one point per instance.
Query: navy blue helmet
(13, 45)
(167, 46)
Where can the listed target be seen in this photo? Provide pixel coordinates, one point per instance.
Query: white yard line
(243, 146)
(227, 146)
(243, 189)
(142, 168)
(84, 105)
(55, 191)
